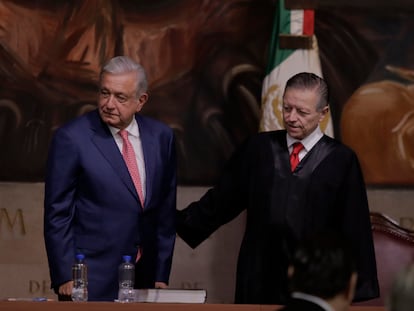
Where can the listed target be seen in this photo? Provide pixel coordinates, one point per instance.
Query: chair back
(394, 249)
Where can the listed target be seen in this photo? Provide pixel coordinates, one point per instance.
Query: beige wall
(23, 264)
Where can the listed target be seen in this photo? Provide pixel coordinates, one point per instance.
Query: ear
(290, 271)
(324, 111)
(142, 99)
(350, 291)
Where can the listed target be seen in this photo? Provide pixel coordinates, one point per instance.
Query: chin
(109, 120)
(295, 135)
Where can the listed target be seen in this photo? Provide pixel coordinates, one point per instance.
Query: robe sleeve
(218, 206)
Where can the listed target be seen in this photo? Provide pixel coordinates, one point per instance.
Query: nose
(109, 102)
(291, 115)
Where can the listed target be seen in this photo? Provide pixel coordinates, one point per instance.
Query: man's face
(300, 116)
(118, 101)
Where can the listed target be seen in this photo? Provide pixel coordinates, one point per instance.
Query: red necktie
(131, 162)
(294, 156)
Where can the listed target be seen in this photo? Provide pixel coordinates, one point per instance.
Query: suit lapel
(148, 149)
(106, 144)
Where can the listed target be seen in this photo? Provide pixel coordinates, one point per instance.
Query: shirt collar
(314, 299)
(132, 128)
(308, 142)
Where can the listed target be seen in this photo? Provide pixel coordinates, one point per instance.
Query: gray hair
(124, 64)
(401, 296)
(310, 81)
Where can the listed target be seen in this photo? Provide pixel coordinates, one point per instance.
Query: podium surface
(113, 306)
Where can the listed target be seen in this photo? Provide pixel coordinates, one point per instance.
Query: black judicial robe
(326, 193)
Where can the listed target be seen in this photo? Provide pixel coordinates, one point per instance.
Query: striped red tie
(131, 162)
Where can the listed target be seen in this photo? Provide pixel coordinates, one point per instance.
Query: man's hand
(160, 285)
(66, 288)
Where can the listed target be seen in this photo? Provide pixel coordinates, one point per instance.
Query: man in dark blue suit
(91, 203)
(322, 275)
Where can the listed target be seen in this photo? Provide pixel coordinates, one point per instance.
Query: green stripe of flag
(281, 25)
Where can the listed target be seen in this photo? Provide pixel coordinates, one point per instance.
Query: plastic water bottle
(80, 279)
(126, 280)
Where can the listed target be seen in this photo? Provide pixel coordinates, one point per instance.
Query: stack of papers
(171, 295)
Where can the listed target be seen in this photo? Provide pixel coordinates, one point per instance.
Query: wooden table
(113, 306)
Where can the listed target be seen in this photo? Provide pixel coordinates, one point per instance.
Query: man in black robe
(324, 194)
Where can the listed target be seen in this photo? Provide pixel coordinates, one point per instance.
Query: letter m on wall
(11, 224)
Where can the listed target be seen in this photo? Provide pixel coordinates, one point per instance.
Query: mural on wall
(205, 62)
(367, 58)
(378, 119)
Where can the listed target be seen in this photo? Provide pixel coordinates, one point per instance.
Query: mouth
(292, 126)
(109, 114)
(294, 129)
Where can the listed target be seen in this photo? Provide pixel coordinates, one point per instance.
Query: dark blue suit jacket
(91, 205)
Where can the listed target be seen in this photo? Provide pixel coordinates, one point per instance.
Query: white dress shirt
(314, 299)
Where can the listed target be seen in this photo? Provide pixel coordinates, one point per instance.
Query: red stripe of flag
(308, 22)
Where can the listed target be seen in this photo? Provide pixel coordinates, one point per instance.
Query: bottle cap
(126, 258)
(80, 256)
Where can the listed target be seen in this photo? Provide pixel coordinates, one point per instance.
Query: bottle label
(126, 295)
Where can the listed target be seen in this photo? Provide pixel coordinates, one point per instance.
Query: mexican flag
(284, 63)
